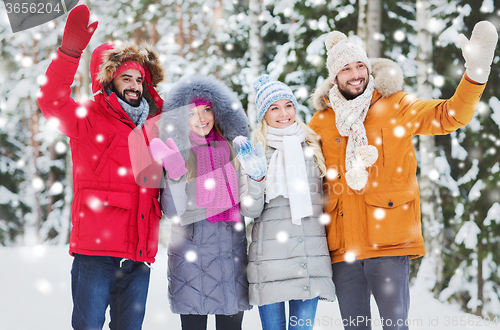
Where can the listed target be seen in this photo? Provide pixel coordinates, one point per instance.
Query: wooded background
(238, 40)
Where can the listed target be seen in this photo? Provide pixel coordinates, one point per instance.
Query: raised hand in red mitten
(77, 32)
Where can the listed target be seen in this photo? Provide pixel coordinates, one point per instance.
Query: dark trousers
(97, 282)
(387, 278)
(222, 322)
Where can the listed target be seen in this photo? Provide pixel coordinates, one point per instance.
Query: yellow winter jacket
(383, 219)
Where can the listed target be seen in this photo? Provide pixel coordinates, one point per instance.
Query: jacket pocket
(154, 229)
(104, 218)
(391, 218)
(103, 160)
(335, 228)
(379, 137)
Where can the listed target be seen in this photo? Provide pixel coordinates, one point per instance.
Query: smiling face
(128, 86)
(201, 120)
(352, 80)
(280, 114)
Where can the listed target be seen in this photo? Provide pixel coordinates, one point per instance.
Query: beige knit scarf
(349, 118)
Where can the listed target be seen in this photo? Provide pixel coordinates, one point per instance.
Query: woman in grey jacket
(207, 249)
(288, 256)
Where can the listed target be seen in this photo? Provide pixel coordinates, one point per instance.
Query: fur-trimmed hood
(226, 107)
(388, 77)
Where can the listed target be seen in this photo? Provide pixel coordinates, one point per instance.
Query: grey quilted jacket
(297, 267)
(206, 261)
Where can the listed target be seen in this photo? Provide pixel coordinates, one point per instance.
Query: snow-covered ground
(35, 294)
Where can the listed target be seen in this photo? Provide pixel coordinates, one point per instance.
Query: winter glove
(77, 32)
(478, 52)
(252, 160)
(170, 157)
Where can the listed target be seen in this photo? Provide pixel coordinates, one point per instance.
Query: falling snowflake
(37, 184)
(60, 147)
(399, 131)
(247, 201)
(324, 219)
(94, 203)
(122, 171)
(239, 226)
(41, 79)
(433, 174)
(210, 184)
(399, 36)
(27, 61)
(54, 122)
(438, 81)
(99, 138)
(350, 257)
(331, 174)
(56, 189)
(379, 214)
(191, 256)
(81, 112)
(282, 236)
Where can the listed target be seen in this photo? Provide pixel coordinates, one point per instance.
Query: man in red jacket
(115, 212)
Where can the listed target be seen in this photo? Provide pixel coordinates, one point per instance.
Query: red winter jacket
(115, 209)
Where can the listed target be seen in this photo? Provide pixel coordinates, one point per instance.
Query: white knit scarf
(349, 118)
(286, 173)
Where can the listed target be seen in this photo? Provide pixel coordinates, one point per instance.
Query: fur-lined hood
(226, 107)
(388, 77)
(108, 57)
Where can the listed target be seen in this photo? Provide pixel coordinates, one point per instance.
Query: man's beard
(121, 95)
(351, 95)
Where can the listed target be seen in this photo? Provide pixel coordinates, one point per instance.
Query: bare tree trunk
(374, 23)
(480, 284)
(256, 49)
(362, 24)
(180, 36)
(155, 36)
(432, 218)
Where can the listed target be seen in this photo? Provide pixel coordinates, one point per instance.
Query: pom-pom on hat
(127, 65)
(341, 52)
(267, 92)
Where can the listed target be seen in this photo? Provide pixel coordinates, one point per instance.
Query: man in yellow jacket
(366, 124)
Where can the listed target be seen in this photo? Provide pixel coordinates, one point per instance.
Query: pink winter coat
(115, 209)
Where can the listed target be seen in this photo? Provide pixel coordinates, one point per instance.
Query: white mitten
(479, 51)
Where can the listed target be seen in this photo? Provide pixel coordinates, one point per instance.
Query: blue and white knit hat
(268, 91)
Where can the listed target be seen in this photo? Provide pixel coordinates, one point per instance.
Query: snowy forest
(237, 40)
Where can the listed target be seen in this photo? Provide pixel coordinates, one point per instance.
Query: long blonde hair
(191, 164)
(312, 140)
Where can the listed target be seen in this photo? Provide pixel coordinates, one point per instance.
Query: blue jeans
(387, 278)
(302, 313)
(97, 282)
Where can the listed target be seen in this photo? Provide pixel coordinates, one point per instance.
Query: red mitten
(77, 32)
